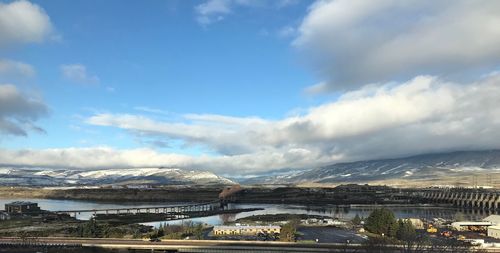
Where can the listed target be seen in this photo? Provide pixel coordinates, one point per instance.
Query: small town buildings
(246, 230)
(494, 231)
(22, 207)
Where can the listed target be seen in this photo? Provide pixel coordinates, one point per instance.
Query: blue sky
(158, 56)
(239, 86)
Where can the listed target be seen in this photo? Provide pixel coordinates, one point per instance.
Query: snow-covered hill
(430, 166)
(11, 176)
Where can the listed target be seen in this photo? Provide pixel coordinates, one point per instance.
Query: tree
(407, 236)
(288, 232)
(383, 222)
(356, 220)
(406, 231)
(160, 232)
(198, 231)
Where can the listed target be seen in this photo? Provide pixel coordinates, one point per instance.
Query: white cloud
(212, 11)
(150, 110)
(78, 73)
(12, 68)
(286, 32)
(23, 22)
(422, 115)
(106, 157)
(18, 112)
(352, 43)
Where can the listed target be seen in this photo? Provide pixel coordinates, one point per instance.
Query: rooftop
(493, 219)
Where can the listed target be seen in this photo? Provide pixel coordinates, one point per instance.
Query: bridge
(225, 196)
(484, 199)
(179, 209)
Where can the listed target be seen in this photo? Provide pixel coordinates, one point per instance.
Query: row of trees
(99, 229)
(186, 229)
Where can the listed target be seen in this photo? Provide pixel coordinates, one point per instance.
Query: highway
(201, 245)
(189, 245)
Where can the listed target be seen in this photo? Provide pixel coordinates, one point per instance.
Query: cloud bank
(424, 114)
(353, 43)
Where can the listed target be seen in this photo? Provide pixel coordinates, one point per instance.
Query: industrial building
(22, 207)
(246, 230)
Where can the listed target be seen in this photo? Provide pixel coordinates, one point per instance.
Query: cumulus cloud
(10, 68)
(23, 22)
(19, 112)
(78, 73)
(352, 43)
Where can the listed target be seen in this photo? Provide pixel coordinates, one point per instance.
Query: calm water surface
(426, 212)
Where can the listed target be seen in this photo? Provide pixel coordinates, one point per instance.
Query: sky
(240, 87)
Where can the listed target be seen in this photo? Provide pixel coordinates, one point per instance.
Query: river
(424, 211)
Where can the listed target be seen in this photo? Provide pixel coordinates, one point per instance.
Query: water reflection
(340, 212)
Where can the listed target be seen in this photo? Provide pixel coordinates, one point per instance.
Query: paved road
(203, 245)
(189, 245)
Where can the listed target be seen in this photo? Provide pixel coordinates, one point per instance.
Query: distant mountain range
(462, 167)
(11, 176)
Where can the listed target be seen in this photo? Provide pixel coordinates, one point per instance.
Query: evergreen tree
(356, 220)
(406, 231)
(382, 222)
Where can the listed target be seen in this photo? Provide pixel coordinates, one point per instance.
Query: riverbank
(342, 195)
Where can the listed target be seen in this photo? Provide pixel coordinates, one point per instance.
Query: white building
(494, 231)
